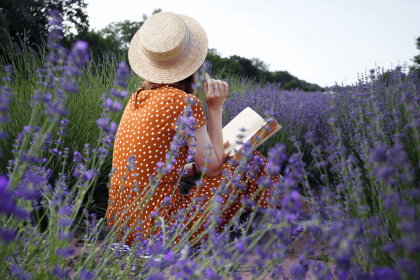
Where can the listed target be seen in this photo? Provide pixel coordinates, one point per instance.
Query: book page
(258, 128)
(248, 119)
(273, 127)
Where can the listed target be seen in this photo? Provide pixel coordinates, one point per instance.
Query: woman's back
(146, 131)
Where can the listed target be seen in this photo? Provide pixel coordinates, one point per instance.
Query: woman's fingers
(222, 87)
(210, 86)
(225, 89)
(226, 143)
(217, 89)
(225, 157)
(215, 92)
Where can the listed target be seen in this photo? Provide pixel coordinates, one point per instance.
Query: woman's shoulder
(183, 97)
(165, 93)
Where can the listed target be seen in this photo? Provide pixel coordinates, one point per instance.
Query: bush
(363, 141)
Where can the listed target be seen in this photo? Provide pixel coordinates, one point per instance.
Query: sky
(320, 41)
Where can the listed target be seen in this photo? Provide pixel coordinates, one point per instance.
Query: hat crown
(164, 36)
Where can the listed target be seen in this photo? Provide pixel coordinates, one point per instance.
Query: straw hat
(168, 48)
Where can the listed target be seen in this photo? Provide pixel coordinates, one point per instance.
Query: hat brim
(142, 66)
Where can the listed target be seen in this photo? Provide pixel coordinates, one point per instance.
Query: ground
(291, 259)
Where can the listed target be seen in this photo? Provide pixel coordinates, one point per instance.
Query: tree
(282, 77)
(4, 26)
(122, 32)
(416, 59)
(73, 12)
(23, 19)
(232, 65)
(224, 66)
(217, 62)
(291, 85)
(260, 64)
(98, 45)
(309, 88)
(115, 37)
(249, 69)
(27, 20)
(214, 52)
(256, 68)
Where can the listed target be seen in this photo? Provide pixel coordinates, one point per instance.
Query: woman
(166, 52)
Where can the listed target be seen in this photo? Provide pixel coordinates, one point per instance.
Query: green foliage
(222, 65)
(27, 20)
(115, 37)
(31, 27)
(248, 69)
(291, 85)
(23, 19)
(309, 88)
(98, 45)
(4, 26)
(121, 32)
(73, 13)
(255, 68)
(83, 109)
(416, 59)
(261, 65)
(282, 77)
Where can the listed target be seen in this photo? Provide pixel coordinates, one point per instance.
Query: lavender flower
(7, 204)
(85, 274)
(59, 272)
(20, 274)
(5, 99)
(298, 272)
(64, 252)
(7, 235)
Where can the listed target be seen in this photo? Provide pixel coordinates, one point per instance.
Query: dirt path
(291, 259)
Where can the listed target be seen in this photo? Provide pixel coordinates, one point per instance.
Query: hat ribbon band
(175, 59)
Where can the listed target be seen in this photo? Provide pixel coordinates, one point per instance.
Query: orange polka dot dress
(146, 131)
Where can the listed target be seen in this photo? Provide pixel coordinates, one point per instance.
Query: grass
(351, 143)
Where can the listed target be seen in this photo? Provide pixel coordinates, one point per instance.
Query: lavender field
(354, 150)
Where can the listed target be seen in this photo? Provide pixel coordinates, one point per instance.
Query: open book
(253, 123)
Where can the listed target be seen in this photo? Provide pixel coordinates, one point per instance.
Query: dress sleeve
(180, 103)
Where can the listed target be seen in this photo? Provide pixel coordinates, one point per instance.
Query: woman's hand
(216, 92)
(226, 155)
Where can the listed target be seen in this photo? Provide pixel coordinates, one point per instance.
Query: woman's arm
(216, 93)
(215, 131)
(188, 171)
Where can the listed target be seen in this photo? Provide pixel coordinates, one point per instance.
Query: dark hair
(184, 85)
